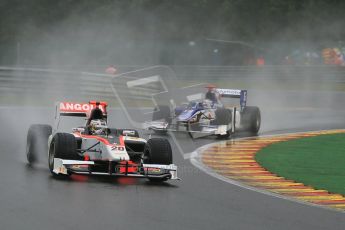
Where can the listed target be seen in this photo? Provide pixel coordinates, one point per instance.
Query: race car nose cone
(186, 115)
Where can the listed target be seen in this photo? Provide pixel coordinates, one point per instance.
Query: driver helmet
(211, 88)
(98, 127)
(207, 103)
(211, 93)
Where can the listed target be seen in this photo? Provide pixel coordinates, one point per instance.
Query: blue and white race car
(208, 115)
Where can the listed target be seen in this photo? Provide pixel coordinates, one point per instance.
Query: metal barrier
(57, 82)
(36, 81)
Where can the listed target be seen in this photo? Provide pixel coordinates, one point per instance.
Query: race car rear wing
(79, 109)
(234, 93)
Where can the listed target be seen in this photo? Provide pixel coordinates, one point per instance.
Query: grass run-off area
(315, 161)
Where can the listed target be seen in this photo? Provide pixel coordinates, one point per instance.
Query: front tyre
(64, 146)
(37, 142)
(158, 151)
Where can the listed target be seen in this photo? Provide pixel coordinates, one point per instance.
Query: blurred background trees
(158, 31)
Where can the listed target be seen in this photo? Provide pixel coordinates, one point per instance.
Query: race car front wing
(207, 129)
(126, 168)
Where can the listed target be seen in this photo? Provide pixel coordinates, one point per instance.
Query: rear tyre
(37, 142)
(64, 146)
(158, 151)
(251, 119)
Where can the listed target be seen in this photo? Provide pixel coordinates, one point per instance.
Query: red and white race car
(96, 149)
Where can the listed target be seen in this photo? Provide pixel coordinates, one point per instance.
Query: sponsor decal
(128, 132)
(62, 170)
(79, 166)
(118, 148)
(70, 107)
(235, 92)
(153, 170)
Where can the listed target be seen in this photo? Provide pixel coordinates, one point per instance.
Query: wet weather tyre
(158, 151)
(37, 142)
(251, 119)
(64, 146)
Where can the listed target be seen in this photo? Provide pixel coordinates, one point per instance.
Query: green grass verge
(316, 161)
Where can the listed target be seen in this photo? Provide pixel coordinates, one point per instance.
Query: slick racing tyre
(158, 151)
(251, 119)
(64, 146)
(37, 142)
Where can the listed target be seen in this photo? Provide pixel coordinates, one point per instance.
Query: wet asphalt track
(31, 199)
